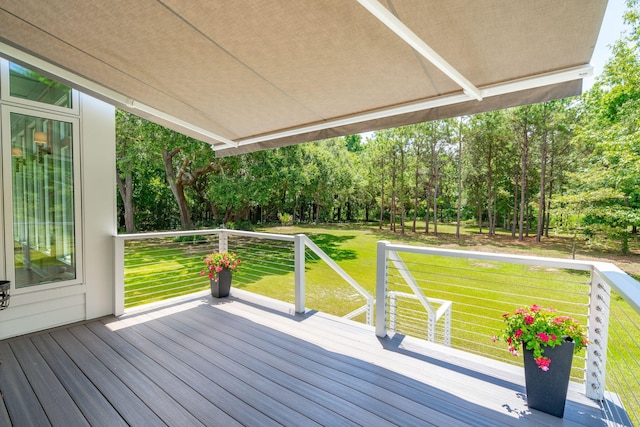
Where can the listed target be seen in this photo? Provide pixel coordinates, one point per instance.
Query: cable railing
(479, 288)
(153, 267)
(622, 314)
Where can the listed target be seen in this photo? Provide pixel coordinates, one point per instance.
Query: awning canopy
(251, 74)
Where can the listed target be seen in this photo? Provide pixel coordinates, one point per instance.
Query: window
(25, 87)
(29, 85)
(42, 184)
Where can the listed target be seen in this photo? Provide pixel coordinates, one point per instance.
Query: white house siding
(98, 136)
(41, 307)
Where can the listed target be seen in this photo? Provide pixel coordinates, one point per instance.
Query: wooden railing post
(381, 288)
(299, 249)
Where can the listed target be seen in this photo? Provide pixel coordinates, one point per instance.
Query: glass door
(40, 194)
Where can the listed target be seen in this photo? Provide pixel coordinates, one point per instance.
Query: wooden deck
(246, 360)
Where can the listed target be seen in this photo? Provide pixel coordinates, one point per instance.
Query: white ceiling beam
(541, 80)
(394, 24)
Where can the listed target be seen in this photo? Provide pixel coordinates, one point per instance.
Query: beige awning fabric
(252, 74)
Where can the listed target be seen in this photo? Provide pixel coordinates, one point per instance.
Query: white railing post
(223, 241)
(431, 327)
(596, 360)
(392, 311)
(299, 249)
(370, 307)
(118, 291)
(447, 327)
(381, 288)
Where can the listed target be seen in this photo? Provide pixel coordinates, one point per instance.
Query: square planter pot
(221, 286)
(547, 391)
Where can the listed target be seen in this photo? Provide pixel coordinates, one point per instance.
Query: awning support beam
(394, 24)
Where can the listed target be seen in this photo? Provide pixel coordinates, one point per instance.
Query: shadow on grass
(330, 245)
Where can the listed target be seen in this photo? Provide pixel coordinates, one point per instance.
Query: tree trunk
(177, 189)
(515, 207)
(459, 208)
(427, 211)
(435, 200)
(548, 220)
(543, 184)
(415, 193)
(381, 196)
(392, 220)
(126, 193)
(490, 190)
(523, 179)
(402, 191)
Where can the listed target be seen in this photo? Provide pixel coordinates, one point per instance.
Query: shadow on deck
(247, 360)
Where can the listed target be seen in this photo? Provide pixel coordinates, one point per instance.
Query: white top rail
(156, 235)
(620, 282)
(488, 256)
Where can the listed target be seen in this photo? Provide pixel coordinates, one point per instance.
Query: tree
(610, 128)
(459, 175)
(128, 149)
(488, 147)
(524, 121)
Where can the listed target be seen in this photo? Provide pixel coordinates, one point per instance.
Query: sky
(612, 28)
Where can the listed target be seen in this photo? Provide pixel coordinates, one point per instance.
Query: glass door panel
(42, 184)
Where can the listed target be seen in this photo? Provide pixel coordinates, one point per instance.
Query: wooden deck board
(401, 392)
(213, 381)
(125, 402)
(290, 404)
(155, 397)
(364, 408)
(94, 406)
(247, 360)
(52, 395)
(257, 368)
(452, 372)
(279, 351)
(19, 397)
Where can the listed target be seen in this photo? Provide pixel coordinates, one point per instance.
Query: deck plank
(342, 384)
(316, 404)
(406, 394)
(60, 408)
(219, 397)
(156, 398)
(283, 405)
(96, 409)
(19, 397)
(134, 411)
(4, 414)
(484, 383)
(247, 360)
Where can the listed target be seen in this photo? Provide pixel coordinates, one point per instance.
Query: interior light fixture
(40, 138)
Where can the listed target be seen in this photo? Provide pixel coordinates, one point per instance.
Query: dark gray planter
(221, 286)
(547, 391)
